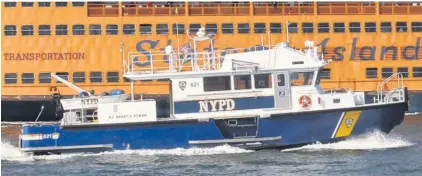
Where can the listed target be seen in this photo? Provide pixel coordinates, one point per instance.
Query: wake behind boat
(256, 100)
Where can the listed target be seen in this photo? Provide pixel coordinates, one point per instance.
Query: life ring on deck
(305, 101)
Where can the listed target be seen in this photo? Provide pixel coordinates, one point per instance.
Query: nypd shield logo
(182, 85)
(349, 122)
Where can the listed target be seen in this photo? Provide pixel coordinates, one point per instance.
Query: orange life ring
(305, 101)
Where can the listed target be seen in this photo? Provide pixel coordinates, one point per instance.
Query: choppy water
(398, 153)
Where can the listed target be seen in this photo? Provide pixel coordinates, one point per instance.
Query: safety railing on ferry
(382, 97)
(283, 8)
(103, 9)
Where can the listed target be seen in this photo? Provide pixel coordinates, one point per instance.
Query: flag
(185, 48)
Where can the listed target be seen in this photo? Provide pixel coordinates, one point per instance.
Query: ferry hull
(276, 131)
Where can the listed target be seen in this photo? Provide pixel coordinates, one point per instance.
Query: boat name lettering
(89, 101)
(216, 105)
(194, 84)
(47, 136)
(127, 116)
(44, 56)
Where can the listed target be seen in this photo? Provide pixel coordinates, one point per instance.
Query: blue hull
(276, 131)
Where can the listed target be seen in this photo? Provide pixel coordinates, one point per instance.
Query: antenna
(177, 36)
(287, 32)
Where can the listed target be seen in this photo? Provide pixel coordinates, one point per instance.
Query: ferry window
(178, 28)
(259, 28)
(292, 28)
(43, 4)
(326, 73)
(27, 30)
(417, 71)
(44, 30)
(193, 28)
(354, 27)
(275, 27)
(162, 29)
(96, 77)
(61, 29)
(94, 29)
(128, 29)
(281, 80)
(112, 76)
(112, 29)
(10, 78)
(217, 83)
(404, 71)
(386, 72)
(145, 28)
(307, 27)
(63, 75)
(339, 27)
(370, 27)
(61, 4)
(242, 82)
(78, 4)
(323, 27)
(44, 78)
(385, 26)
(10, 4)
(78, 77)
(262, 81)
(27, 78)
(211, 28)
(9, 30)
(27, 4)
(78, 29)
(243, 28)
(301, 78)
(371, 73)
(227, 28)
(416, 26)
(401, 26)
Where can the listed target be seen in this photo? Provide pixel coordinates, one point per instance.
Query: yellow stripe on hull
(348, 123)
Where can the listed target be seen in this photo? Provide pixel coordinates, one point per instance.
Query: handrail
(380, 87)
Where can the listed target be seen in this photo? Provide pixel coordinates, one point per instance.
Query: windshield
(301, 78)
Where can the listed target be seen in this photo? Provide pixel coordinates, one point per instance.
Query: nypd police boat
(255, 100)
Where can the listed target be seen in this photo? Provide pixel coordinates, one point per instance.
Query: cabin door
(281, 90)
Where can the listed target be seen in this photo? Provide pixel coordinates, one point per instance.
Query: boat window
(292, 27)
(301, 78)
(10, 4)
(262, 81)
(94, 29)
(61, 4)
(404, 71)
(78, 29)
(416, 26)
(9, 30)
(178, 28)
(281, 80)
(61, 29)
(162, 29)
(44, 4)
(63, 75)
(259, 28)
(386, 72)
(27, 78)
(385, 26)
(27, 30)
(323, 27)
(193, 28)
(339, 27)
(401, 26)
(44, 30)
(242, 82)
(243, 28)
(227, 28)
(370, 27)
(218, 83)
(96, 77)
(44, 78)
(275, 27)
(336, 100)
(371, 73)
(326, 73)
(211, 28)
(145, 28)
(417, 71)
(10, 78)
(307, 27)
(112, 29)
(78, 77)
(78, 4)
(354, 27)
(112, 76)
(27, 4)
(128, 29)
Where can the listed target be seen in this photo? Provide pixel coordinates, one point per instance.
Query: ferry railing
(219, 9)
(381, 98)
(155, 10)
(103, 10)
(397, 8)
(351, 8)
(279, 8)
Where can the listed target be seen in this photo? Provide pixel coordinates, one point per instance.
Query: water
(375, 153)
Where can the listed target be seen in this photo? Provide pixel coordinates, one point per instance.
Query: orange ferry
(80, 41)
